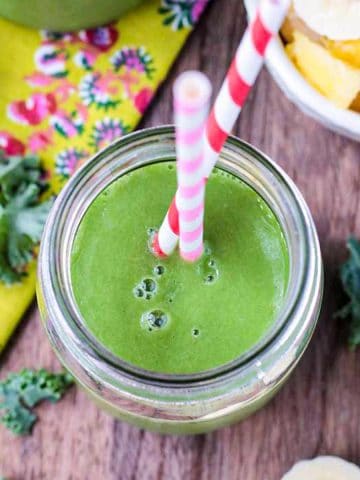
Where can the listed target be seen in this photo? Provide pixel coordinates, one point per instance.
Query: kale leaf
(350, 278)
(22, 216)
(21, 391)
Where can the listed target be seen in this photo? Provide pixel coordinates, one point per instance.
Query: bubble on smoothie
(159, 270)
(154, 320)
(207, 249)
(145, 289)
(207, 267)
(138, 292)
(149, 285)
(195, 332)
(151, 232)
(170, 297)
(210, 278)
(170, 166)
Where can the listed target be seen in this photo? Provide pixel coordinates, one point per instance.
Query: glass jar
(180, 403)
(64, 15)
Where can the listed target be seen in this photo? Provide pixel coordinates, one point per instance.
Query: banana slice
(323, 468)
(335, 19)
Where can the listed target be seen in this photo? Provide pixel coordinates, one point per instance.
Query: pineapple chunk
(356, 104)
(287, 30)
(332, 77)
(347, 50)
(293, 23)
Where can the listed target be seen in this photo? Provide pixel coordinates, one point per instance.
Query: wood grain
(317, 412)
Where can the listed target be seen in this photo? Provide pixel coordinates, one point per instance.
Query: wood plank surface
(318, 410)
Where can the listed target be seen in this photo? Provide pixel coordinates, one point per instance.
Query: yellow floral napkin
(64, 96)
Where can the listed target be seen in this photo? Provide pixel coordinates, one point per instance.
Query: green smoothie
(166, 315)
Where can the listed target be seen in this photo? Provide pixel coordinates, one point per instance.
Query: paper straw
(235, 89)
(184, 218)
(192, 92)
(241, 76)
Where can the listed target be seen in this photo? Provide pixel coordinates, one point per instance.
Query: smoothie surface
(166, 315)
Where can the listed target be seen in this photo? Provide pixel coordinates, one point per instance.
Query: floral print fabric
(66, 95)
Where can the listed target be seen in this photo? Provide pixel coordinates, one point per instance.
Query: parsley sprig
(22, 216)
(350, 278)
(21, 391)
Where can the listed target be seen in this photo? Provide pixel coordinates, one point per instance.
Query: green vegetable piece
(22, 217)
(7, 274)
(19, 420)
(350, 278)
(16, 418)
(45, 386)
(19, 392)
(17, 172)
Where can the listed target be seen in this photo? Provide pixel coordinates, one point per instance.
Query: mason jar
(172, 403)
(64, 15)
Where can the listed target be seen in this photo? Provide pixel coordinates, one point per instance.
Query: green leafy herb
(22, 217)
(350, 277)
(19, 392)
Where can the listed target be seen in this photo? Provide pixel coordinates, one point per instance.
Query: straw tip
(155, 247)
(192, 87)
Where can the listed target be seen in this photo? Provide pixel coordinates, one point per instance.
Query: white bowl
(299, 91)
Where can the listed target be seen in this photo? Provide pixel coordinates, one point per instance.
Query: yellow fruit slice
(287, 30)
(347, 50)
(293, 23)
(356, 104)
(335, 79)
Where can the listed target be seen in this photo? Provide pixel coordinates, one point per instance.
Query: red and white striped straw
(192, 92)
(240, 77)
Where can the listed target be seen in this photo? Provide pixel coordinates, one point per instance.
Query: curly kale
(21, 391)
(350, 278)
(22, 216)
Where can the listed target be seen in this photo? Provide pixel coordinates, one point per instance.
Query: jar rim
(67, 336)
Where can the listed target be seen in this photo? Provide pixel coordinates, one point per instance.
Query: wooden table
(316, 413)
